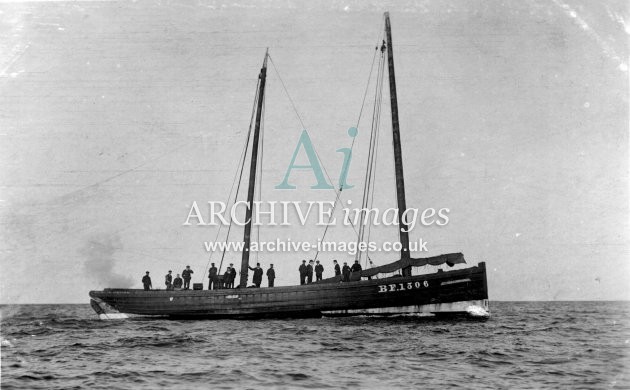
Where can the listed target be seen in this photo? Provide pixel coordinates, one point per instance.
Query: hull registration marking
(383, 288)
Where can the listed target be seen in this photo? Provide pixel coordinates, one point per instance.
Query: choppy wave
(523, 345)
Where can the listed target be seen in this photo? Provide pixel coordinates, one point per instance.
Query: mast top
(398, 160)
(252, 173)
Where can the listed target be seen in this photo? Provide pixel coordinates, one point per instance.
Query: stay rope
(337, 192)
(370, 174)
(240, 169)
(260, 168)
(367, 86)
(237, 174)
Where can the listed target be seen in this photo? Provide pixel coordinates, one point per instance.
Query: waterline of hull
(473, 308)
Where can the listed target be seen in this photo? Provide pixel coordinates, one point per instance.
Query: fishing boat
(397, 288)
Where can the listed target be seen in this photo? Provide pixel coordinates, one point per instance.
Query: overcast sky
(115, 117)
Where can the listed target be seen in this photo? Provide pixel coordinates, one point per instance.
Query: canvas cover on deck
(449, 259)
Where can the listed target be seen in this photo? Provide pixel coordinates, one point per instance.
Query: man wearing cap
(232, 275)
(226, 278)
(258, 273)
(337, 268)
(303, 272)
(319, 270)
(186, 276)
(168, 280)
(146, 282)
(271, 275)
(212, 278)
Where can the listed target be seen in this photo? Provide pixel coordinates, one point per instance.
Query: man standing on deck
(168, 280)
(309, 272)
(226, 277)
(258, 273)
(271, 275)
(303, 272)
(212, 277)
(177, 283)
(186, 276)
(346, 272)
(356, 267)
(146, 282)
(319, 270)
(232, 275)
(337, 269)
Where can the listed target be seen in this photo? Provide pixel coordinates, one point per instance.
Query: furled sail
(449, 259)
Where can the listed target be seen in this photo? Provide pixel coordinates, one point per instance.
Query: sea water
(523, 345)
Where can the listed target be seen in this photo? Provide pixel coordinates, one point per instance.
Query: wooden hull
(451, 292)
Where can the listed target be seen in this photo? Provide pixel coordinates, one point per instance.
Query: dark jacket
(233, 274)
(178, 283)
(271, 274)
(168, 278)
(212, 273)
(319, 269)
(227, 275)
(309, 270)
(258, 273)
(345, 270)
(337, 270)
(302, 269)
(186, 273)
(356, 267)
(146, 280)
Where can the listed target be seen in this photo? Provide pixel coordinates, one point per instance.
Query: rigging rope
(368, 261)
(239, 175)
(298, 116)
(338, 194)
(286, 91)
(370, 171)
(260, 168)
(367, 86)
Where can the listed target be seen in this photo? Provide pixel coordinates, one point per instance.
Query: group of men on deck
(306, 271)
(216, 281)
(179, 283)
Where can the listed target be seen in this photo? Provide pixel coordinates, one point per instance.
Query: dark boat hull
(450, 293)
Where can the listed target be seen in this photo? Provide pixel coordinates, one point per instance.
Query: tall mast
(252, 175)
(398, 162)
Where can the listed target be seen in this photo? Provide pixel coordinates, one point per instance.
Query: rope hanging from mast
(370, 173)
